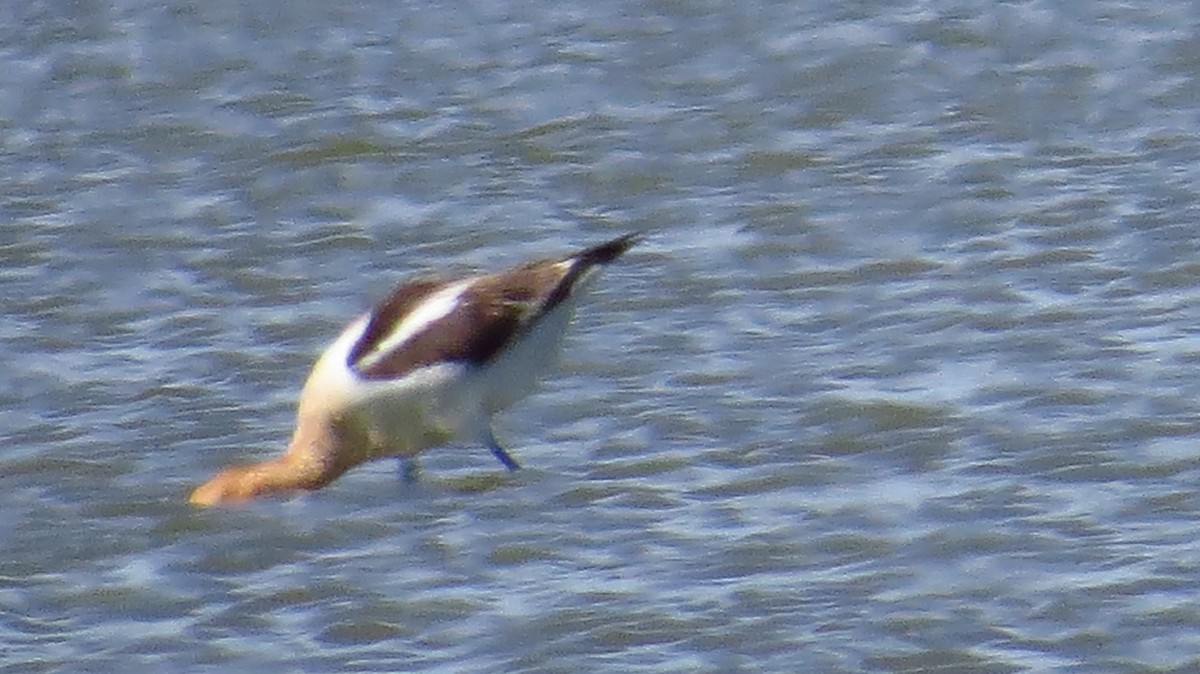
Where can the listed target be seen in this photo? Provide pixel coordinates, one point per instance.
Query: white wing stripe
(437, 305)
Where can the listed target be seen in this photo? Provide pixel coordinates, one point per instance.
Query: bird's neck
(311, 462)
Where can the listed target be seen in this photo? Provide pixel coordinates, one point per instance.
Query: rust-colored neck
(311, 462)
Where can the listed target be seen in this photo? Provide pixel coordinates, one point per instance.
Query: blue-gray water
(905, 378)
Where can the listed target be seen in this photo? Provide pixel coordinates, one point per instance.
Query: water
(904, 378)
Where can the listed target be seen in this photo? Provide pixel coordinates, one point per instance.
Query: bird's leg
(410, 469)
(498, 451)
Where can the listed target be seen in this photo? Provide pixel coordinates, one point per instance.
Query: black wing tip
(609, 250)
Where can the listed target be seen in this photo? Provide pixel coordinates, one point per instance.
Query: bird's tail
(606, 252)
(586, 260)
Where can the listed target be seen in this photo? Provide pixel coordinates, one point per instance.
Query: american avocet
(432, 363)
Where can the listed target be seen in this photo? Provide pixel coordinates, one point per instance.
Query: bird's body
(432, 363)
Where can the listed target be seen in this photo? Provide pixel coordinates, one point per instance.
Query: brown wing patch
(491, 313)
(387, 315)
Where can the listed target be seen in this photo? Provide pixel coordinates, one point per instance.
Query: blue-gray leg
(410, 469)
(498, 452)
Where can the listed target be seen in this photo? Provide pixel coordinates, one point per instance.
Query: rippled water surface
(904, 379)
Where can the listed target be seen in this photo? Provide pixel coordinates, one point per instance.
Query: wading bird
(430, 364)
